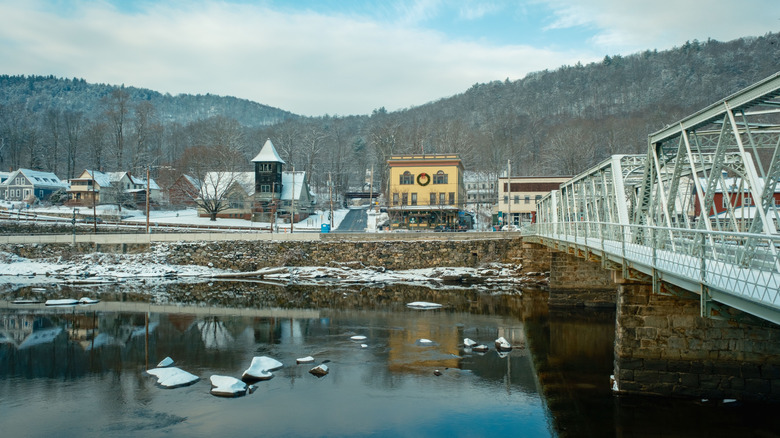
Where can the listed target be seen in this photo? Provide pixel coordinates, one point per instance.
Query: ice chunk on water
(173, 377)
(62, 302)
(226, 386)
(423, 305)
(260, 368)
(307, 359)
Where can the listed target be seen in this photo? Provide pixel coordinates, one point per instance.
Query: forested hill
(556, 122)
(41, 93)
(566, 119)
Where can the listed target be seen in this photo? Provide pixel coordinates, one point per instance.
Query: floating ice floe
(260, 368)
(62, 302)
(226, 386)
(165, 363)
(358, 338)
(87, 300)
(425, 342)
(468, 343)
(319, 370)
(26, 301)
(363, 345)
(307, 359)
(423, 305)
(503, 345)
(172, 377)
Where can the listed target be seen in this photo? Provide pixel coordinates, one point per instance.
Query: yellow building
(426, 191)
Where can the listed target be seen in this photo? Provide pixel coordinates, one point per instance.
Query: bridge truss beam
(685, 209)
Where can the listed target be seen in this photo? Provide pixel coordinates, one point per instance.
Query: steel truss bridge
(698, 211)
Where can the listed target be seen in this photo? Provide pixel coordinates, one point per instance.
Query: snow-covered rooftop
(268, 154)
(220, 182)
(39, 178)
(288, 188)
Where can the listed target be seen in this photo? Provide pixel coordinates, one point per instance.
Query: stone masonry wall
(250, 256)
(577, 282)
(663, 347)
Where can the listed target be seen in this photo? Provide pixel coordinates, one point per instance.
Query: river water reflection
(79, 371)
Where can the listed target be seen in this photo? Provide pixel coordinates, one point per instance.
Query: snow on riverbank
(153, 267)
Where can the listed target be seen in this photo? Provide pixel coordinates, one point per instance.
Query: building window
(395, 198)
(264, 167)
(414, 198)
(452, 198)
(726, 201)
(746, 201)
(506, 199)
(538, 198)
(517, 199)
(265, 188)
(433, 198)
(442, 198)
(527, 199)
(404, 198)
(440, 177)
(407, 178)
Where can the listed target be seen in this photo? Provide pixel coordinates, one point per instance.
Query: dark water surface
(79, 371)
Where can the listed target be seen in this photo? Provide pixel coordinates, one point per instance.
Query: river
(80, 371)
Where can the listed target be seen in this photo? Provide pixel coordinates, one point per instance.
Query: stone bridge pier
(663, 346)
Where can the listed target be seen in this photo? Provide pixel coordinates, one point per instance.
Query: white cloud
(306, 63)
(626, 26)
(338, 63)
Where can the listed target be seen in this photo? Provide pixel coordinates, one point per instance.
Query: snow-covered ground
(188, 216)
(152, 266)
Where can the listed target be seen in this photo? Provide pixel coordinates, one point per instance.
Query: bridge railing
(721, 261)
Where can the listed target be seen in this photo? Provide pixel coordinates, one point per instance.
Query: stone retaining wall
(250, 256)
(664, 347)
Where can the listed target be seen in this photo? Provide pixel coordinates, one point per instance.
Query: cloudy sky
(341, 57)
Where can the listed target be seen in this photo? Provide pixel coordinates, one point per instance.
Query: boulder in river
(319, 370)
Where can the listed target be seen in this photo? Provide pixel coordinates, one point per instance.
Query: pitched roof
(100, 178)
(192, 180)
(39, 179)
(287, 184)
(223, 181)
(268, 154)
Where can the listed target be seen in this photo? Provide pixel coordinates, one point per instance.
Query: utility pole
(147, 199)
(509, 191)
(94, 209)
(330, 195)
(292, 213)
(371, 189)
(274, 205)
